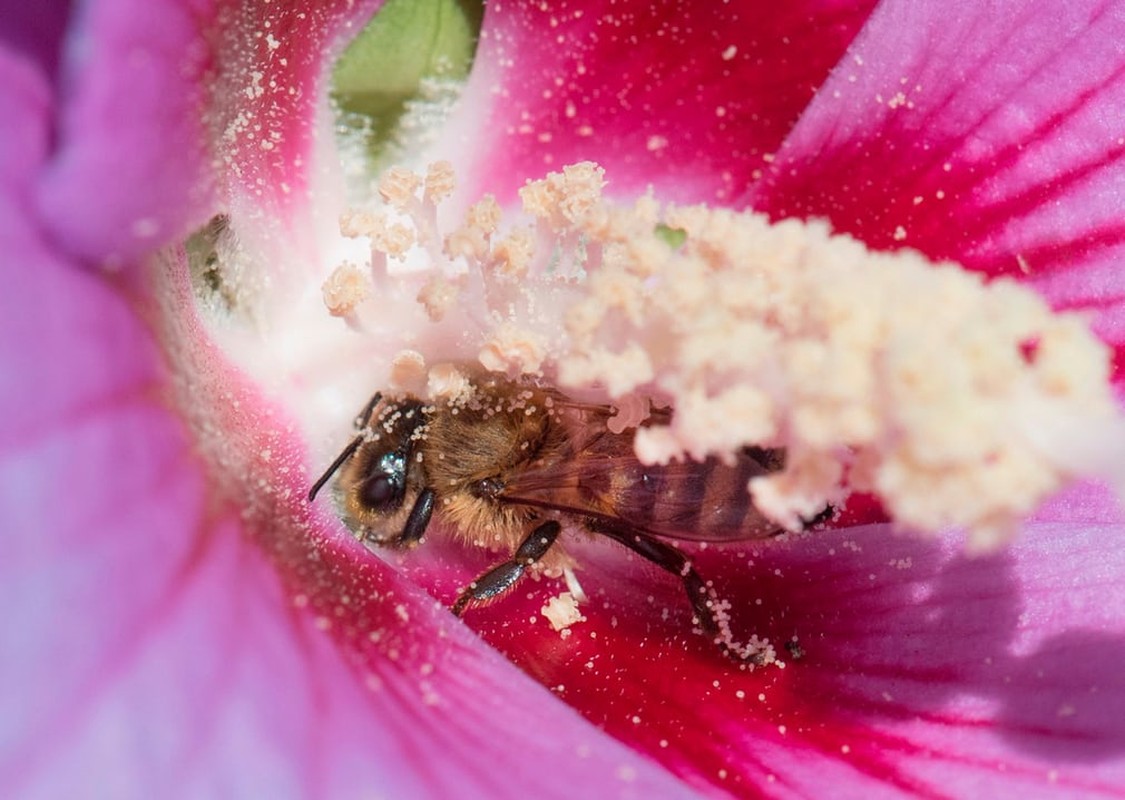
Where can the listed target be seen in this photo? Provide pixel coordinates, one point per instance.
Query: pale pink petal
(169, 633)
(169, 108)
(691, 97)
(982, 133)
(1083, 503)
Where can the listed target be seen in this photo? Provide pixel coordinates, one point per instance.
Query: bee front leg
(501, 578)
(418, 520)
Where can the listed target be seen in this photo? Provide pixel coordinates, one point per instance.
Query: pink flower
(180, 622)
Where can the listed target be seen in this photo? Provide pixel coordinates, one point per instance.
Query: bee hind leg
(704, 603)
(501, 578)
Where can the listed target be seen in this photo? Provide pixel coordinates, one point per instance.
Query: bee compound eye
(379, 492)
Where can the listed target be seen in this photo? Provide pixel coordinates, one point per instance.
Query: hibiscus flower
(180, 621)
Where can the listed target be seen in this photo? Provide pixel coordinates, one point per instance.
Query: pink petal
(922, 674)
(951, 722)
(36, 30)
(172, 632)
(864, 637)
(690, 98)
(269, 101)
(169, 106)
(925, 672)
(984, 134)
(134, 94)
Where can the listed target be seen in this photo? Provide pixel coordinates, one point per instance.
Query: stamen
(408, 372)
(512, 255)
(514, 350)
(344, 290)
(398, 187)
(393, 239)
(437, 296)
(440, 182)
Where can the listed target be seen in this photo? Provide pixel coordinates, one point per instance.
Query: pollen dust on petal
(562, 612)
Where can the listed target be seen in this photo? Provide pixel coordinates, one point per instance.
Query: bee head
(380, 483)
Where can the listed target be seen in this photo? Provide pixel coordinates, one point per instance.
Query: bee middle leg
(501, 578)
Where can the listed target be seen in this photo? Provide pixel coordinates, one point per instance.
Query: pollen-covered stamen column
(957, 401)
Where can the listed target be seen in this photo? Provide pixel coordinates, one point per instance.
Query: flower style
(181, 621)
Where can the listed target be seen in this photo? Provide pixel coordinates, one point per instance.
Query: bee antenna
(364, 415)
(347, 453)
(353, 445)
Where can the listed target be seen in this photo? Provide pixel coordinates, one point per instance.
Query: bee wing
(700, 501)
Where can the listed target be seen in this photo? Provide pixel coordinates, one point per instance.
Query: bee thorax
(487, 488)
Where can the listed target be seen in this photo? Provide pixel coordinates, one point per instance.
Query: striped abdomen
(705, 500)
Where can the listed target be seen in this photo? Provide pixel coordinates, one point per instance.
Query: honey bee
(507, 465)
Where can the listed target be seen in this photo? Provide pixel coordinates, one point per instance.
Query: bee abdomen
(725, 508)
(707, 500)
